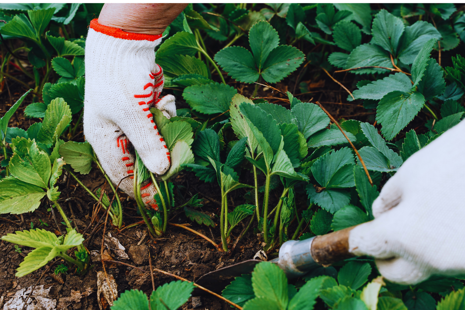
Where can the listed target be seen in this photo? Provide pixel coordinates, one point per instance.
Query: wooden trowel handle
(330, 248)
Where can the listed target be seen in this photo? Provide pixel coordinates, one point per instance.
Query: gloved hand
(122, 83)
(419, 228)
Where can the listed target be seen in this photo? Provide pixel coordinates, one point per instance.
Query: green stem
(256, 193)
(236, 37)
(24, 70)
(265, 207)
(167, 193)
(278, 207)
(120, 208)
(222, 230)
(255, 91)
(431, 111)
(44, 80)
(77, 124)
(160, 194)
(141, 206)
(5, 155)
(201, 40)
(65, 32)
(297, 231)
(16, 80)
(71, 260)
(226, 214)
(204, 52)
(281, 233)
(63, 215)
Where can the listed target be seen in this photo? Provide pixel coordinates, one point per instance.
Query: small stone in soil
(138, 253)
(196, 302)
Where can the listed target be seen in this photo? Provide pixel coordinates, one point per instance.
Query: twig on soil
(351, 144)
(340, 84)
(211, 199)
(5, 219)
(101, 252)
(195, 232)
(179, 278)
(275, 98)
(151, 271)
(55, 219)
(265, 85)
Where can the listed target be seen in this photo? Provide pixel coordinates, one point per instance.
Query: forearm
(146, 18)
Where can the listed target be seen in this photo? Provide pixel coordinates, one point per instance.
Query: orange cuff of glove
(120, 34)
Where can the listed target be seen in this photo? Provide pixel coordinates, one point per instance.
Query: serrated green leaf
(375, 160)
(365, 190)
(396, 110)
(35, 260)
(173, 295)
(302, 32)
(329, 137)
(237, 153)
(448, 122)
(63, 67)
(19, 26)
(177, 131)
(57, 169)
(181, 154)
(131, 300)
(53, 194)
(293, 144)
(310, 118)
(378, 89)
(207, 145)
(410, 145)
(239, 124)
(306, 297)
(187, 80)
(361, 13)
(7, 116)
(367, 55)
(261, 303)
(36, 109)
(390, 303)
(199, 217)
(35, 238)
(453, 301)
(30, 171)
(209, 98)
(239, 63)
(65, 47)
(320, 223)
(14, 132)
(347, 35)
(445, 10)
(279, 113)
(177, 65)
(449, 38)
(295, 15)
(347, 217)
(334, 170)
(40, 19)
(387, 31)
(338, 59)
(181, 43)
(79, 155)
(420, 300)
(333, 295)
(239, 213)
(413, 39)
(354, 274)
(57, 117)
(270, 282)
(265, 124)
(350, 303)
(451, 107)
(263, 39)
(240, 290)
(283, 167)
(421, 61)
(432, 84)
(329, 199)
(281, 62)
(70, 93)
(375, 139)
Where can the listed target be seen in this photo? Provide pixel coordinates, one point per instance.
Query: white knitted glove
(122, 83)
(419, 227)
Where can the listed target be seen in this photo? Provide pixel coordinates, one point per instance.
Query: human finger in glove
(418, 229)
(122, 83)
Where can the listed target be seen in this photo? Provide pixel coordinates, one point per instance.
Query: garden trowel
(296, 258)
